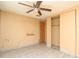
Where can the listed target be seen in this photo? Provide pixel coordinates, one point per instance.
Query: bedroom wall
(18, 31)
(48, 31)
(67, 32)
(77, 41)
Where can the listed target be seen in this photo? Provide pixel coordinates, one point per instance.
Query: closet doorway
(55, 35)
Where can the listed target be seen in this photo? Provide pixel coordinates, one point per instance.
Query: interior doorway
(55, 32)
(42, 32)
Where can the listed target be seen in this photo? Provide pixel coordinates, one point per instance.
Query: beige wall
(67, 32)
(18, 31)
(0, 26)
(48, 32)
(56, 31)
(77, 43)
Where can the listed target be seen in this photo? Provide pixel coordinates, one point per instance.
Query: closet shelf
(55, 25)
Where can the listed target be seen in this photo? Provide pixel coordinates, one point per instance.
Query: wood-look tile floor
(37, 51)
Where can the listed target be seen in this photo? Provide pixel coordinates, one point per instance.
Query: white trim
(78, 55)
(7, 49)
(67, 52)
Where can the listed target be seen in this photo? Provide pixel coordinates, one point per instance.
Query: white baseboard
(67, 52)
(5, 49)
(78, 56)
(49, 46)
(8, 49)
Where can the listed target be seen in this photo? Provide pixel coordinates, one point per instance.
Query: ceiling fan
(36, 6)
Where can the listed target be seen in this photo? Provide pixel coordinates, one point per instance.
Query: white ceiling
(56, 6)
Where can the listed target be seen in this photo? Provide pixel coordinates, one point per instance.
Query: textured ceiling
(56, 6)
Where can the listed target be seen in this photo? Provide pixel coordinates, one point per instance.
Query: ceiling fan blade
(25, 5)
(29, 10)
(45, 9)
(39, 12)
(38, 4)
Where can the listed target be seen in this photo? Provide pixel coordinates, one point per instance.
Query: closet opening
(55, 32)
